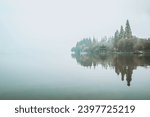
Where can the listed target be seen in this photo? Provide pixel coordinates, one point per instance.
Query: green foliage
(128, 32)
(123, 41)
(126, 45)
(122, 33)
(116, 38)
(92, 46)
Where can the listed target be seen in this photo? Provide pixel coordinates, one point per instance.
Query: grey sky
(43, 23)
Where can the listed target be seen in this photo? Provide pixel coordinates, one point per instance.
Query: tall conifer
(128, 32)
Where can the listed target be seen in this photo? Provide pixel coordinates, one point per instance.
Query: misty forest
(122, 52)
(121, 42)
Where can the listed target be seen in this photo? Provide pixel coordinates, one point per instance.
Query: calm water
(49, 75)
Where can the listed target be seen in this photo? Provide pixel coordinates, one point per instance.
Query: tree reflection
(123, 64)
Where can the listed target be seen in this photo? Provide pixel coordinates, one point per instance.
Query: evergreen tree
(116, 35)
(116, 38)
(121, 35)
(128, 32)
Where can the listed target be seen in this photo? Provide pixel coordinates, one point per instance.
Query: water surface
(49, 75)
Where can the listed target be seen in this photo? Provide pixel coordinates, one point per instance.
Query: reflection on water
(123, 64)
(58, 76)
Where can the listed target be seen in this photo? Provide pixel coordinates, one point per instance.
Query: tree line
(122, 41)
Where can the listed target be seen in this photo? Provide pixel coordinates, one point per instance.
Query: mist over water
(48, 75)
(35, 42)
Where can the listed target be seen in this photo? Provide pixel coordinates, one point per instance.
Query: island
(122, 42)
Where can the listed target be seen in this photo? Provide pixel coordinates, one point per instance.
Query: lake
(64, 75)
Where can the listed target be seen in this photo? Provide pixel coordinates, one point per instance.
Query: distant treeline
(122, 41)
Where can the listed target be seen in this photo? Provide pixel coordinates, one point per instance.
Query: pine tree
(116, 38)
(128, 32)
(121, 35)
(116, 35)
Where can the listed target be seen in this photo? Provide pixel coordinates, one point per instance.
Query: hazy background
(36, 37)
(53, 25)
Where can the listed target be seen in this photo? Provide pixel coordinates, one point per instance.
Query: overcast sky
(44, 23)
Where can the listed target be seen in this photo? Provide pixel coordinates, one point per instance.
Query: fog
(54, 25)
(36, 37)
